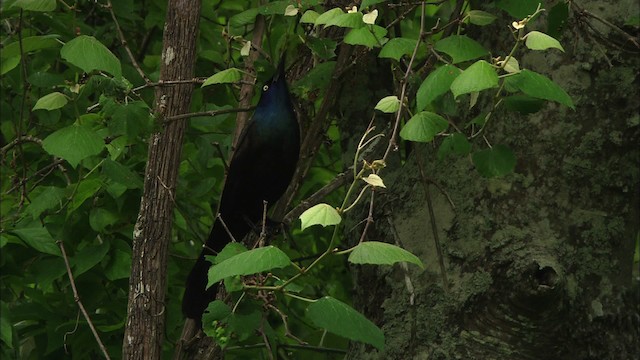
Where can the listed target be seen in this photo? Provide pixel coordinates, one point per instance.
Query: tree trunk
(145, 326)
(539, 263)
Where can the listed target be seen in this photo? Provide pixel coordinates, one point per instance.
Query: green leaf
(366, 3)
(519, 9)
(349, 20)
(89, 54)
(119, 266)
(364, 36)
(535, 40)
(230, 75)
(121, 174)
(39, 239)
(88, 257)
(86, 189)
(9, 64)
(309, 17)
(321, 214)
(216, 311)
(230, 250)
(374, 252)
(436, 85)
(35, 5)
(73, 143)
(316, 79)
(477, 77)
(6, 330)
(323, 47)
(423, 127)
(328, 15)
(52, 101)
(244, 18)
(461, 48)
(341, 319)
(494, 162)
(396, 47)
(29, 44)
(538, 86)
(557, 19)
(481, 18)
(388, 104)
(455, 143)
(101, 218)
(523, 104)
(249, 262)
(44, 198)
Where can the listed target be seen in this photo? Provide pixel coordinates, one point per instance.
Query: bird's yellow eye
(265, 88)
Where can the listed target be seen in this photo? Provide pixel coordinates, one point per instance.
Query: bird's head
(275, 90)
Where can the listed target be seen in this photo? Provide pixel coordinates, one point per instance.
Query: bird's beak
(280, 71)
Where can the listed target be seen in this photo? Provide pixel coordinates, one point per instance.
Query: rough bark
(539, 262)
(145, 326)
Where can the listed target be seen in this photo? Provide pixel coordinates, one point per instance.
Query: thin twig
(76, 298)
(392, 139)
(123, 41)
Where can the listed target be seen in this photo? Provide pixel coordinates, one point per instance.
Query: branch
(76, 298)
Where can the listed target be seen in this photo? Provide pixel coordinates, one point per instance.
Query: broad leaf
(388, 104)
(230, 75)
(455, 143)
(309, 17)
(328, 16)
(460, 48)
(519, 9)
(249, 262)
(87, 53)
(341, 319)
(494, 162)
(88, 257)
(481, 18)
(370, 36)
(435, 85)
(29, 44)
(536, 40)
(477, 77)
(121, 174)
(397, 47)
(39, 239)
(85, 190)
(36, 5)
(52, 101)
(44, 198)
(374, 180)
(348, 20)
(539, 86)
(321, 214)
(423, 127)
(73, 143)
(374, 252)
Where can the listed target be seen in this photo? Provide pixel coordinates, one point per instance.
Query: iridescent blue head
(275, 92)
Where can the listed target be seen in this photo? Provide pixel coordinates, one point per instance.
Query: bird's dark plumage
(260, 170)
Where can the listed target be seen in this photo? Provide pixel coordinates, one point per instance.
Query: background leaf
(494, 162)
(539, 86)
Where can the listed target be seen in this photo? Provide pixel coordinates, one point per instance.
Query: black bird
(260, 170)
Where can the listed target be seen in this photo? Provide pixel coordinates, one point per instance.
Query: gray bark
(539, 263)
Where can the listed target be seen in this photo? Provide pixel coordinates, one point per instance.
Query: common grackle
(260, 170)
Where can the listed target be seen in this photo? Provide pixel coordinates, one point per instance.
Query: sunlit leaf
(536, 40)
(374, 252)
(249, 262)
(461, 48)
(389, 104)
(477, 77)
(87, 53)
(423, 127)
(321, 214)
(52, 101)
